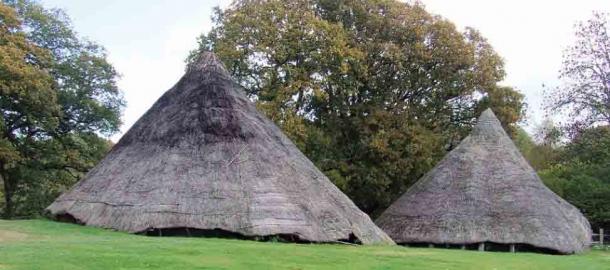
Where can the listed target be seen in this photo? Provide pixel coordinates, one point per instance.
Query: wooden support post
(188, 232)
(430, 245)
(512, 248)
(601, 236)
(463, 247)
(481, 246)
(160, 233)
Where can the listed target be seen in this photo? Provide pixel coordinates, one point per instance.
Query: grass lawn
(41, 244)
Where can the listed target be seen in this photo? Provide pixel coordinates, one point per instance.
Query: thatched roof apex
(488, 125)
(485, 191)
(204, 158)
(206, 62)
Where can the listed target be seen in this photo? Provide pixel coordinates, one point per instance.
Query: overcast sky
(148, 40)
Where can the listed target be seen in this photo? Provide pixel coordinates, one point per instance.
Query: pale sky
(148, 40)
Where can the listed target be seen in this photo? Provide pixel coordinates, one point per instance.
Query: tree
(582, 185)
(86, 82)
(540, 155)
(581, 174)
(590, 146)
(374, 92)
(28, 102)
(507, 104)
(585, 93)
(576, 170)
(84, 102)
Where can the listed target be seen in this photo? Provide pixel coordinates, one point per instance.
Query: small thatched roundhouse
(484, 191)
(204, 160)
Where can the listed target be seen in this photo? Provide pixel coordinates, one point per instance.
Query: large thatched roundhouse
(484, 191)
(204, 160)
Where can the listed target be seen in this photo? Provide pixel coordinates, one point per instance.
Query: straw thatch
(203, 158)
(485, 191)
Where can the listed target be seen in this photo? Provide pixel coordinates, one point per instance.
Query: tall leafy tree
(585, 92)
(85, 103)
(374, 92)
(27, 101)
(580, 174)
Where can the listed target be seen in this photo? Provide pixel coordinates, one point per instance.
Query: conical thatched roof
(204, 158)
(485, 191)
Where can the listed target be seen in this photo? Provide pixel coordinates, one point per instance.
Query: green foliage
(59, 95)
(27, 100)
(86, 82)
(539, 155)
(577, 170)
(526, 145)
(582, 175)
(60, 162)
(41, 245)
(586, 186)
(374, 92)
(507, 104)
(591, 146)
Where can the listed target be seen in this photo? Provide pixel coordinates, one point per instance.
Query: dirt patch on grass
(9, 236)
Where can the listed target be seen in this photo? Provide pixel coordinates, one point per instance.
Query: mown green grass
(40, 244)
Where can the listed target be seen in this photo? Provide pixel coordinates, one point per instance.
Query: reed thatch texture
(204, 158)
(485, 191)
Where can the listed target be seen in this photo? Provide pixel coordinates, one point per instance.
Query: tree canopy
(577, 165)
(585, 92)
(581, 174)
(374, 92)
(59, 96)
(28, 102)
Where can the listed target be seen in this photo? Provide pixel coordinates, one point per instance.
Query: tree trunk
(8, 197)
